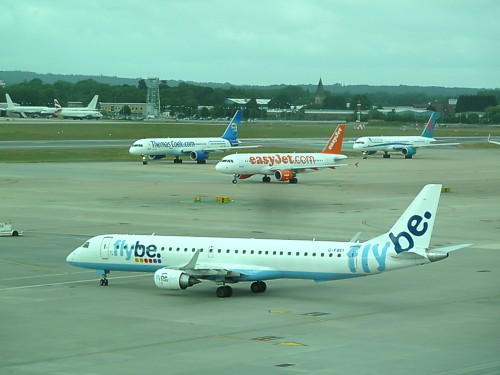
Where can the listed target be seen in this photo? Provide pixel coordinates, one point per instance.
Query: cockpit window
(86, 244)
(137, 145)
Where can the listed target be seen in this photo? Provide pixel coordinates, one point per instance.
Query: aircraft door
(352, 257)
(105, 247)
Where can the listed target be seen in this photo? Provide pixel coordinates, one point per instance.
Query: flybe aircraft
(284, 167)
(181, 262)
(406, 145)
(197, 148)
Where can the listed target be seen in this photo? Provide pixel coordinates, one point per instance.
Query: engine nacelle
(283, 175)
(434, 256)
(166, 278)
(408, 152)
(156, 157)
(198, 155)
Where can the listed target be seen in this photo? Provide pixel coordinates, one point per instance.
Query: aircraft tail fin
(334, 145)
(93, 103)
(412, 231)
(430, 126)
(9, 101)
(56, 104)
(231, 133)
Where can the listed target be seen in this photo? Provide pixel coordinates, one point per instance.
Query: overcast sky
(451, 43)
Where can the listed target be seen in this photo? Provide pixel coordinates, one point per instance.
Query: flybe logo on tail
(416, 226)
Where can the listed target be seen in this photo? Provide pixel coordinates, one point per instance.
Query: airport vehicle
(179, 262)
(406, 145)
(489, 140)
(198, 149)
(284, 166)
(6, 230)
(79, 113)
(25, 110)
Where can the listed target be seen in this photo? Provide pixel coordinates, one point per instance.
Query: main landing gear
(266, 179)
(224, 291)
(177, 160)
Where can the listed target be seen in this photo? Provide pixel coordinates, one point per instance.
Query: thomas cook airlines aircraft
(197, 148)
(181, 262)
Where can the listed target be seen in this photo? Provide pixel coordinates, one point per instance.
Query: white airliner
(25, 110)
(180, 262)
(284, 166)
(406, 145)
(197, 148)
(489, 140)
(88, 112)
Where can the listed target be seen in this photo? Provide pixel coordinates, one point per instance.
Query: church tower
(320, 94)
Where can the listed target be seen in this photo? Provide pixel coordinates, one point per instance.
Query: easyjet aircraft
(285, 166)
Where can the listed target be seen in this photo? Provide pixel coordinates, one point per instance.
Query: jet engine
(199, 156)
(436, 256)
(408, 152)
(166, 278)
(283, 175)
(156, 157)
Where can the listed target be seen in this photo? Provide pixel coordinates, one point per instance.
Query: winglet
(334, 145)
(191, 265)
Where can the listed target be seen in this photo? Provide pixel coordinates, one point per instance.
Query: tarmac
(441, 318)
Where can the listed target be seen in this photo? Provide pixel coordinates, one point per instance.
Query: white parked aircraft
(180, 262)
(25, 110)
(197, 148)
(284, 166)
(495, 142)
(88, 112)
(406, 145)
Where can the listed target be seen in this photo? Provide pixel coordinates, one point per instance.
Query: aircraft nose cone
(218, 167)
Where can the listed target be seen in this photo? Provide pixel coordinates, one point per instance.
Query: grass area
(69, 130)
(18, 130)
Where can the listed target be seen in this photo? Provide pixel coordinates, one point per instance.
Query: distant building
(116, 109)
(262, 103)
(319, 98)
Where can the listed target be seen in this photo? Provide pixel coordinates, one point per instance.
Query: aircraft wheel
(266, 179)
(294, 180)
(144, 162)
(258, 287)
(224, 291)
(235, 181)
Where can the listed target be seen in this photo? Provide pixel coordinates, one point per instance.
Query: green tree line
(184, 98)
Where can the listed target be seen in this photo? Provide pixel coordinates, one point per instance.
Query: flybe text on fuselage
(139, 252)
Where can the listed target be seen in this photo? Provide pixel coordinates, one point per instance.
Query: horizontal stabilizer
(449, 249)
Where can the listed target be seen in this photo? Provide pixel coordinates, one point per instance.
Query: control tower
(153, 97)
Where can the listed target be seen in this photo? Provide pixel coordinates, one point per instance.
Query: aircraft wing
(298, 169)
(209, 150)
(441, 144)
(192, 268)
